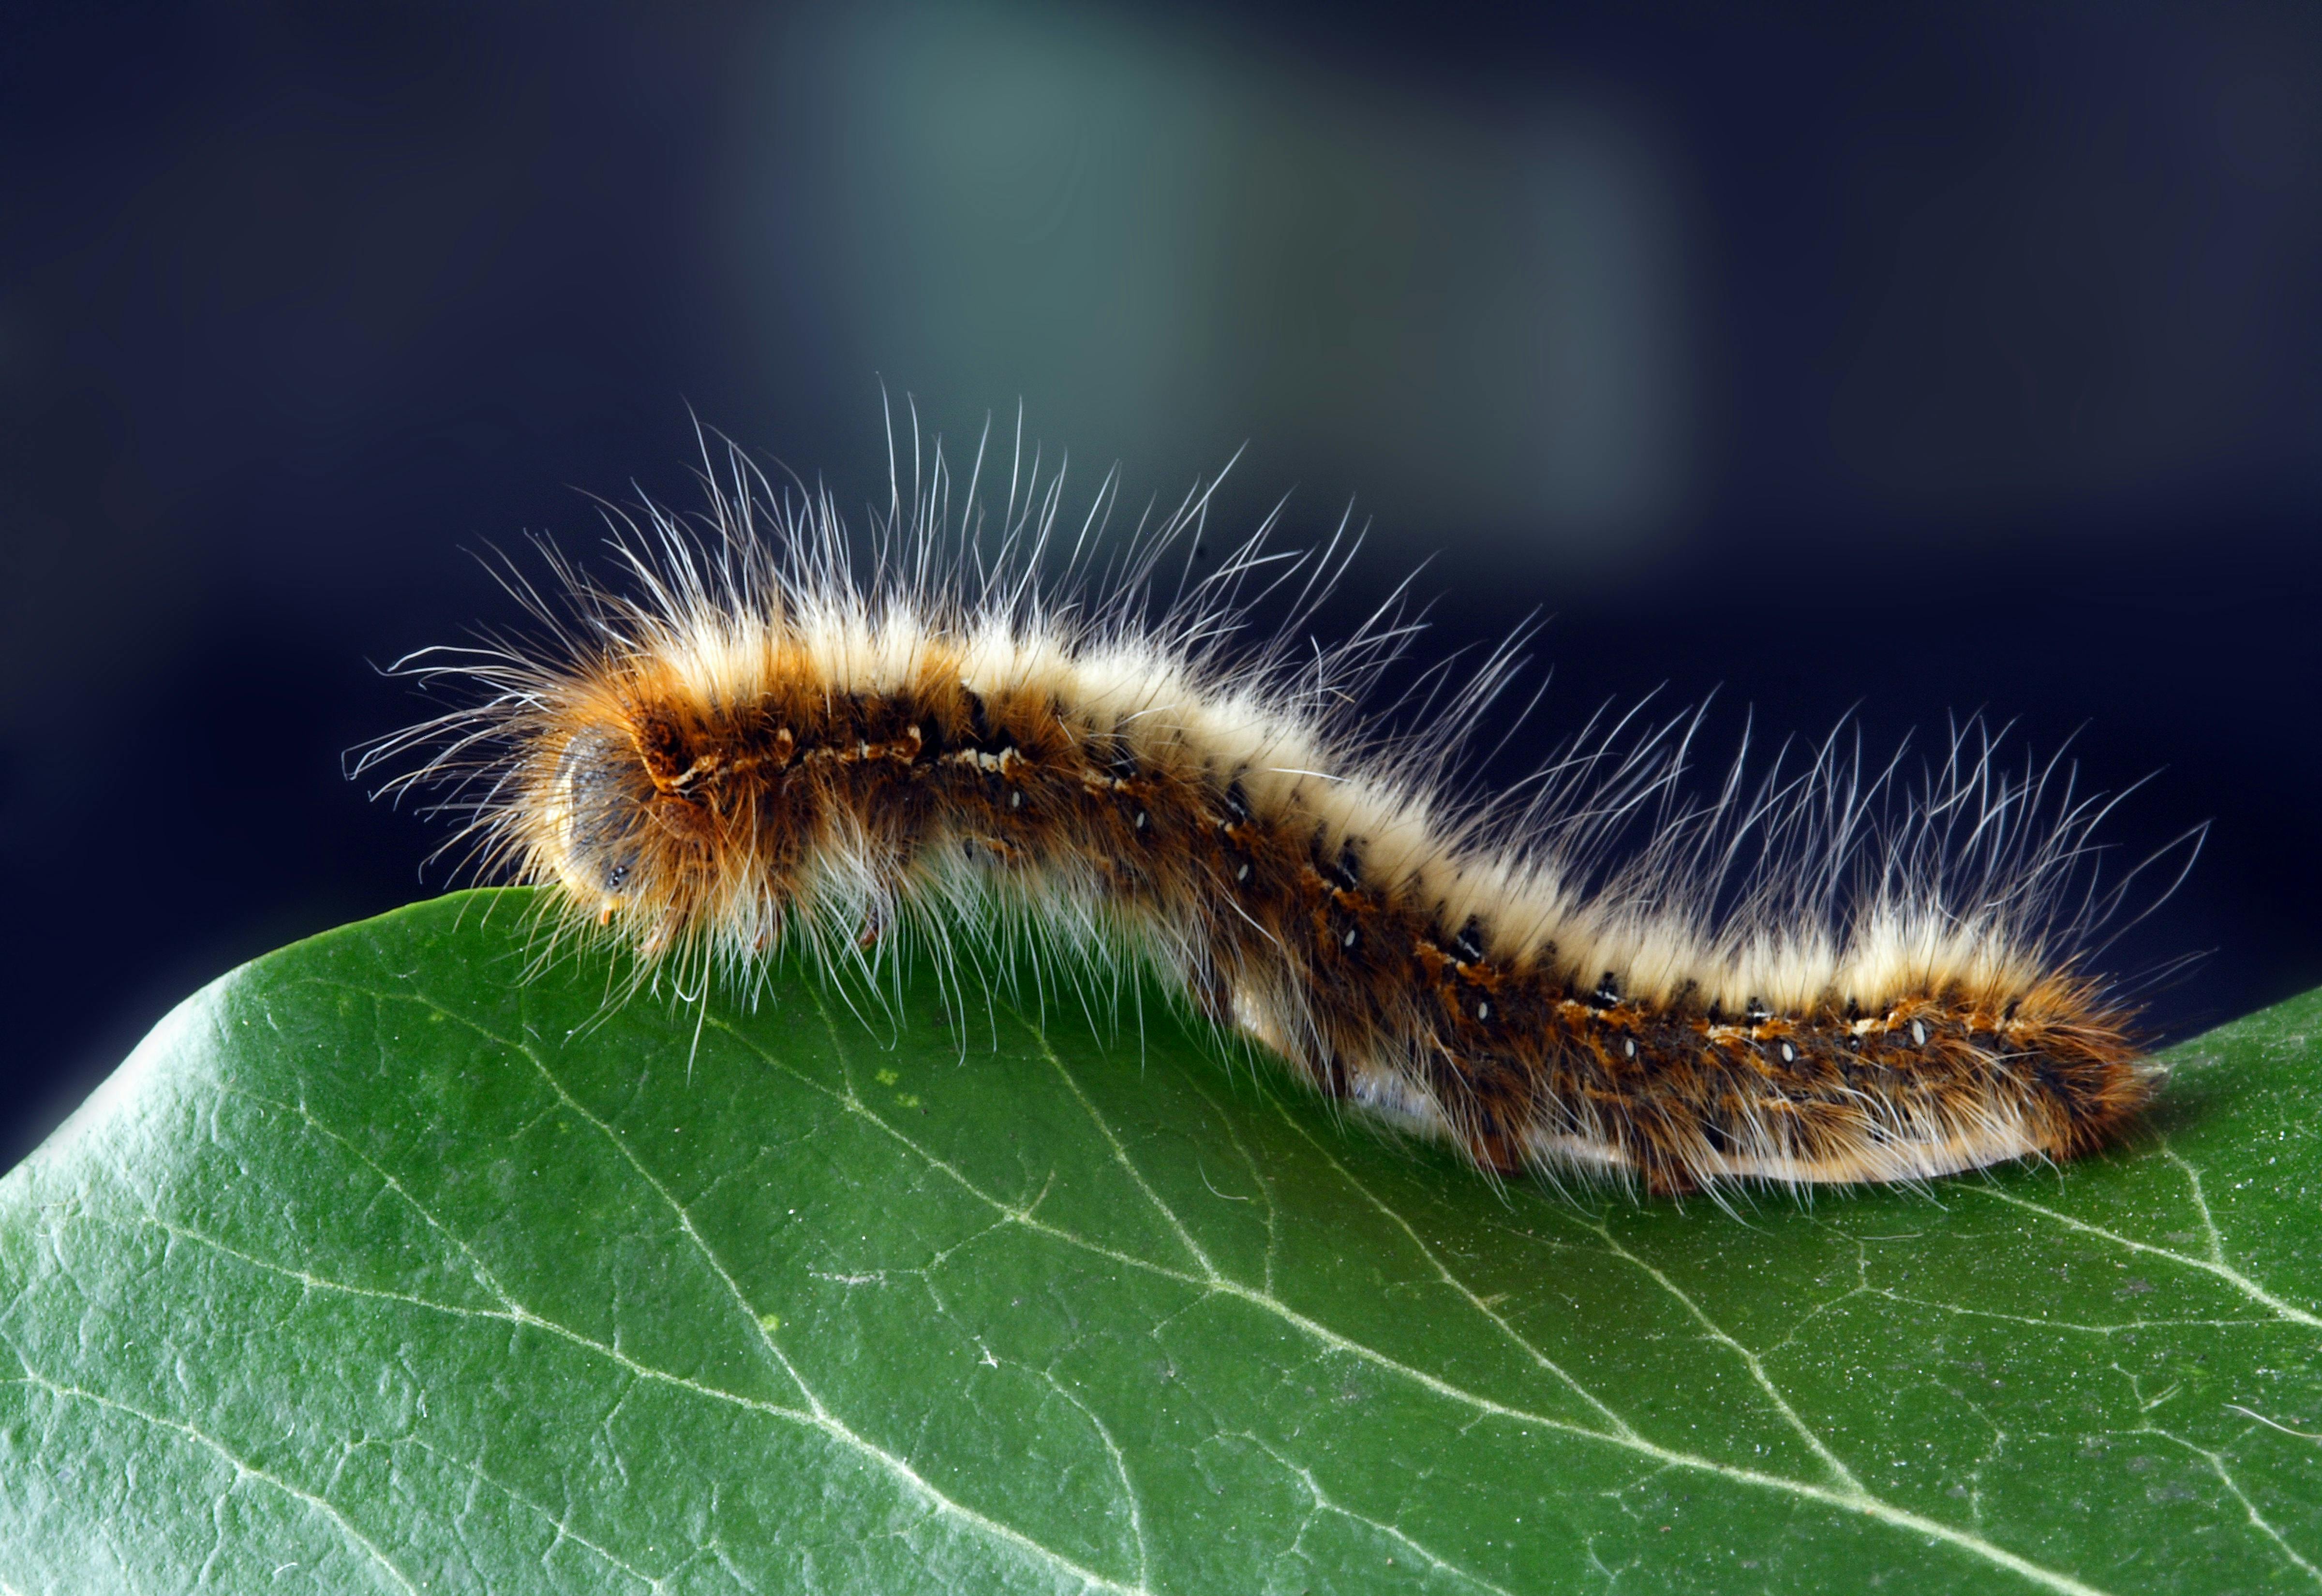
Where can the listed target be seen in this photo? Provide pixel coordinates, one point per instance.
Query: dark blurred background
(1919, 359)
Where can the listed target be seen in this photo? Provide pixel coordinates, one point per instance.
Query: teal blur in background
(1859, 362)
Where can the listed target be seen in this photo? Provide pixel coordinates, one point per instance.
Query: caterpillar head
(595, 823)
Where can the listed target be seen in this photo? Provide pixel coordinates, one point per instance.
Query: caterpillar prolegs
(766, 732)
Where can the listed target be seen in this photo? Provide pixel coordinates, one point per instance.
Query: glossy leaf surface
(378, 1268)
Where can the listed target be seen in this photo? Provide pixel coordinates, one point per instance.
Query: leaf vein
(242, 1466)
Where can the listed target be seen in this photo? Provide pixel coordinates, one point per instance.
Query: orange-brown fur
(1509, 1044)
(754, 746)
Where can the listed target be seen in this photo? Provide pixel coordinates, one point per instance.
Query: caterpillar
(968, 722)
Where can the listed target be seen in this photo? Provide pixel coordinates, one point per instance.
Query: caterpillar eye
(595, 813)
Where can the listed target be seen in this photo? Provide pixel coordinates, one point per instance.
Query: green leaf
(378, 1267)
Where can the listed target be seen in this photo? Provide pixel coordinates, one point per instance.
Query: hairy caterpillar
(767, 732)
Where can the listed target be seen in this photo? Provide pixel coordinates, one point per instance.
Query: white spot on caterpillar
(1483, 1011)
(1789, 1054)
(1919, 1032)
(1629, 1045)
(1243, 874)
(1015, 800)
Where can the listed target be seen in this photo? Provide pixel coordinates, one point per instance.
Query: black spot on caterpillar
(759, 737)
